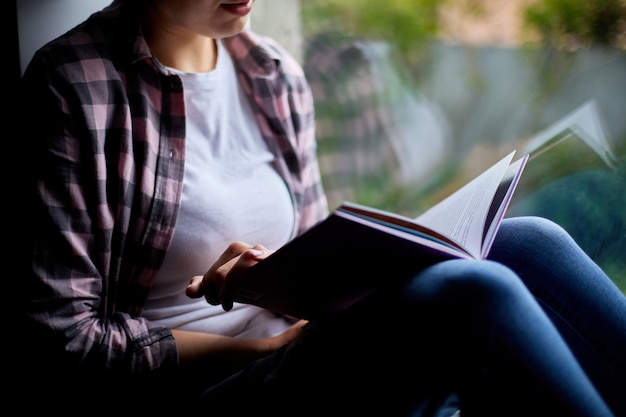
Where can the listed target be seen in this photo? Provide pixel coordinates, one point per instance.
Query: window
(415, 97)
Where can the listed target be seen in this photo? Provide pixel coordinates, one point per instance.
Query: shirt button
(171, 153)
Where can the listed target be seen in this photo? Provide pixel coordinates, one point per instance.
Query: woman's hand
(199, 352)
(222, 278)
(287, 336)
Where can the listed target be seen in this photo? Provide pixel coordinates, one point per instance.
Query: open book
(358, 249)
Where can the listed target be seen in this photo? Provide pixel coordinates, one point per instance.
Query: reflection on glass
(400, 131)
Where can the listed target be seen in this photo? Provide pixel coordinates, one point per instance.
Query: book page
(462, 215)
(396, 221)
(408, 231)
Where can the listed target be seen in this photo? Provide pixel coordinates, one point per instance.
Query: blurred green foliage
(579, 23)
(403, 23)
(407, 23)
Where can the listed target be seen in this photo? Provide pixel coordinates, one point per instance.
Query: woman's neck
(176, 47)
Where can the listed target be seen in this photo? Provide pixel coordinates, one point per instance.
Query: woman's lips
(239, 9)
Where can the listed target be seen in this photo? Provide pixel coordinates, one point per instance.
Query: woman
(172, 147)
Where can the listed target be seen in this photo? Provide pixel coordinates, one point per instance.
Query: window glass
(415, 97)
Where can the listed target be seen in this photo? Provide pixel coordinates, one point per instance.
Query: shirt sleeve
(74, 299)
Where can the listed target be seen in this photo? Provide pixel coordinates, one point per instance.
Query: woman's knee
(457, 280)
(529, 237)
(530, 228)
(466, 297)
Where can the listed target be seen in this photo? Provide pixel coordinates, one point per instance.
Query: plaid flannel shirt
(106, 147)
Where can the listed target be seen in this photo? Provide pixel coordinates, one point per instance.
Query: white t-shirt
(231, 192)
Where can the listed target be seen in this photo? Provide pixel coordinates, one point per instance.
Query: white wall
(280, 19)
(39, 21)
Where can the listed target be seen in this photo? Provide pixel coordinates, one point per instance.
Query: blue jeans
(588, 310)
(514, 335)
